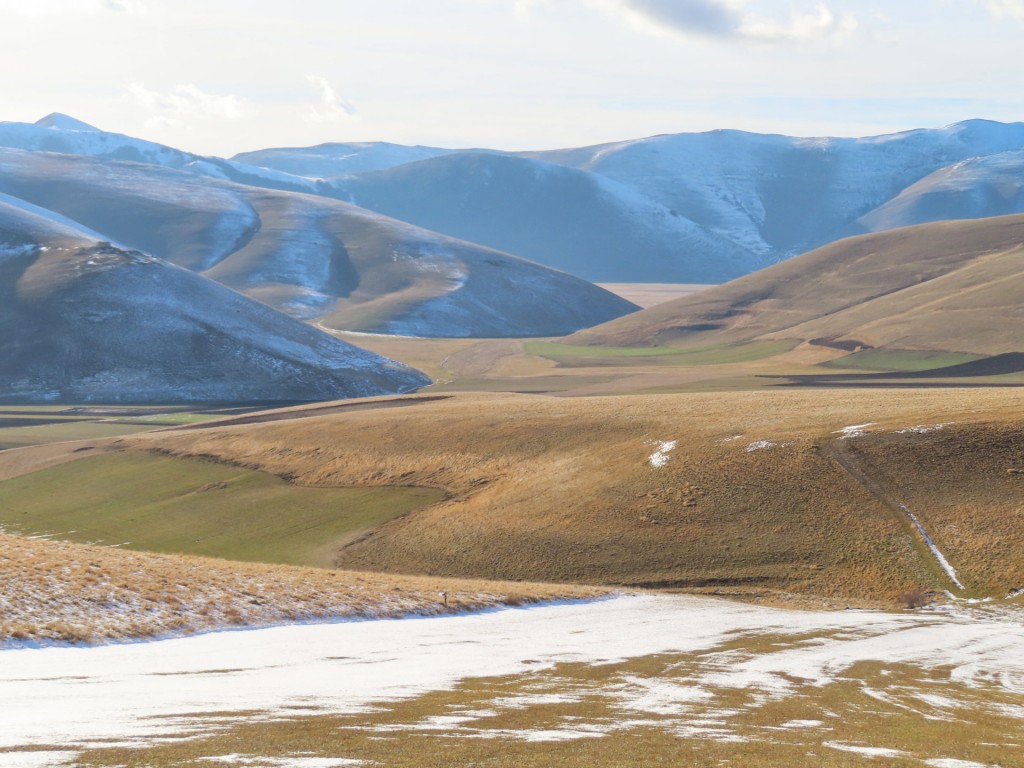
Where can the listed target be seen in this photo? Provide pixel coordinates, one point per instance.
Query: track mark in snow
(659, 458)
(949, 569)
(847, 462)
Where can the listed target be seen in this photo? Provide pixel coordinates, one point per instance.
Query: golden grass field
(751, 500)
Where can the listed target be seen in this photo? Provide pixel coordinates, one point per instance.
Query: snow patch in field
(947, 762)
(659, 458)
(855, 430)
(921, 429)
(36, 759)
(283, 762)
(865, 751)
(803, 724)
(764, 445)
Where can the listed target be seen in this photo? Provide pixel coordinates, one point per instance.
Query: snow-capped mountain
(315, 258)
(85, 320)
(971, 189)
(684, 207)
(334, 159)
(584, 223)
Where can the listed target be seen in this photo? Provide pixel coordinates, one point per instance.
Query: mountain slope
(953, 286)
(576, 221)
(778, 195)
(312, 257)
(82, 320)
(334, 159)
(971, 189)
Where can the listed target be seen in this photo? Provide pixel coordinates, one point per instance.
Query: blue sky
(221, 76)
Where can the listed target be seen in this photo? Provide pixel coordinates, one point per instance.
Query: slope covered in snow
(82, 320)
(778, 195)
(971, 189)
(584, 223)
(312, 257)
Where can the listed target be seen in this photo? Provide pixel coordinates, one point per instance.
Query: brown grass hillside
(749, 499)
(56, 591)
(937, 286)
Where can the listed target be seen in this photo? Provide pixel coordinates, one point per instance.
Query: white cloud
(330, 108)
(1006, 7)
(183, 103)
(819, 24)
(728, 19)
(64, 7)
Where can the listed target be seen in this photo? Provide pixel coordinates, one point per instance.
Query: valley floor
(631, 680)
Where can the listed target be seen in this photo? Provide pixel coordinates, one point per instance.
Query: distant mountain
(315, 258)
(702, 207)
(676, 208)
(82, 320)
(950, 286)
(326, 160)
(66, 135)
(970, 189)
(64, 122)
(777, 196)
(584, 223)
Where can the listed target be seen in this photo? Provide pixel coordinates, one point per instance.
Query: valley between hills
(309, 399)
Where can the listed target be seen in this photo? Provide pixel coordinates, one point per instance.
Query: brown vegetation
(57, 591)
(935, 286)
(548, 489)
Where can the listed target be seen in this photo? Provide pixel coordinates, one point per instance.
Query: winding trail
(839, 451)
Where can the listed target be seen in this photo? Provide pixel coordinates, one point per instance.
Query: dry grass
(547, 489)
(936, 286)
(61, 592)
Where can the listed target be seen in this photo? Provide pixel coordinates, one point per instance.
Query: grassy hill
(950, 286)
(749, 494)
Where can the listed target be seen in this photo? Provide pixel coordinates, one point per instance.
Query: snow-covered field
(71, 697)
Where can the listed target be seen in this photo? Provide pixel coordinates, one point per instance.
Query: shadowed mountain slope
(576, 221)
(82, 320)
(952, 286)
(971, 189)
(309, 256)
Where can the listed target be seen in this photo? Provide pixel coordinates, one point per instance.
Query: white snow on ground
(659, 458)
(950, 763)
(67, 696)
(764, 445)
(866, 751)
(856, 430)
(949, 569)
(921, 429)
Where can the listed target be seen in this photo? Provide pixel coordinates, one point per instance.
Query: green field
(718, 354)
(899, 360)
(163, 504)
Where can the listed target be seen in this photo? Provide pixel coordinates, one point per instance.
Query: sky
(225, 76)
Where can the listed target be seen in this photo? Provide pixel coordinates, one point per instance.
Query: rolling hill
(756, 492)
(312, 257)
(949, 286)
(84, 320)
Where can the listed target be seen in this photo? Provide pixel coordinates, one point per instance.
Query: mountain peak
(65, 122)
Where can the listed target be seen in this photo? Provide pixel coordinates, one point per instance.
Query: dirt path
(839, 450)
